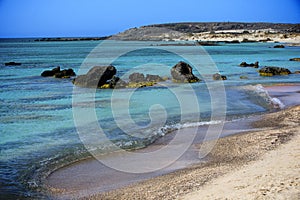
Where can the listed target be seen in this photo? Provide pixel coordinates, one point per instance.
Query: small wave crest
(264, 98)
(169, 128)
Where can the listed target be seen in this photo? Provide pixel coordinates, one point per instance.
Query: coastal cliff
(216, 31)
(205, 31)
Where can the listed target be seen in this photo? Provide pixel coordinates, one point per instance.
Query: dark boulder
(218, 77)
(244, 64)
(265, 40)
(136, 77)
(232, 42)
(116, 82)
(52, 72)
(279, 46)
(182, 72)
(271, 71)
(57, 73)
(12, 64)
(66, 73)
(295, 59)
(96, 77)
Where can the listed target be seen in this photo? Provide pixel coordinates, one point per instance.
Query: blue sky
(57, 18)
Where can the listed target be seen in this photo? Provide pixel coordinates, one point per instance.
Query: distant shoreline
(201, 31)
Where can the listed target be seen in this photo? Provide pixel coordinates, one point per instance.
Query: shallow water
(38, 133)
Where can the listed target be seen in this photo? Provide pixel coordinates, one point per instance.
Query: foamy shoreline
(225, 159)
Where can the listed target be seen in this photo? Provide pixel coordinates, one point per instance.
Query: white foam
(263, 93)
(277, 103)
(169, 128)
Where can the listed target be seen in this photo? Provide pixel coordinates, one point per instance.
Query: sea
(41, 127)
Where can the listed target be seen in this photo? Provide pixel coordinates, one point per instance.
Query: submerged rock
(57, 73)
(271, 71)
(12, 64)
(218, 77)
(295, 59)
(279, 46)
(244, 77)
(96, 77)
(244, 64)
(182, 72)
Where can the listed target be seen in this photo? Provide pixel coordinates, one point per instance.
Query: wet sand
(92, 180)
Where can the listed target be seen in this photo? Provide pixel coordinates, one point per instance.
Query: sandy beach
(262, 162)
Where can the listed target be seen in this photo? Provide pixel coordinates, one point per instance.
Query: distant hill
(171, 31)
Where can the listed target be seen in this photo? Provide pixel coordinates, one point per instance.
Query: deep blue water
(38, 132)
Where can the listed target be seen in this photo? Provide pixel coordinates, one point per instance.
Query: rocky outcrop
(182, 72)
(179, 31)
(272, 71)
(295, 59)
(218, 77)
(96, 77)
(244, 64)
(136, 77)
(153, 78)
(279, 46)
(103, 77)
(117, 83)
(57, 73)
(12, 64)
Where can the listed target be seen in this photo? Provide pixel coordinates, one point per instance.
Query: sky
(67, 18)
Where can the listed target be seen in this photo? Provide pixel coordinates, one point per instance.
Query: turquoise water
(38, 132)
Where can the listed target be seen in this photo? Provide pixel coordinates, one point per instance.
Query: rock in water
(117, 83)
(66, 73)
(295, 59)
(136, 77)
(244, 64)
(96, 77)
(296, 72)
(182, 72)
(271, 71)
(154, 78)
(57, 73)
(52, 72)
(218, 77)
(279, 46)
(12, 64)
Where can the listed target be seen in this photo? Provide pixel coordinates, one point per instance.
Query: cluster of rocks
(269, 70)
(272, 71)
(219, 77)
(57, 73)
(279, 46)
(245, 64)
(105, 77)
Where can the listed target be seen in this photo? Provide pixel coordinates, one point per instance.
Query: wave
(261, 96)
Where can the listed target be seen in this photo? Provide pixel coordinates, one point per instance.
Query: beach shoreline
(231, 153)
